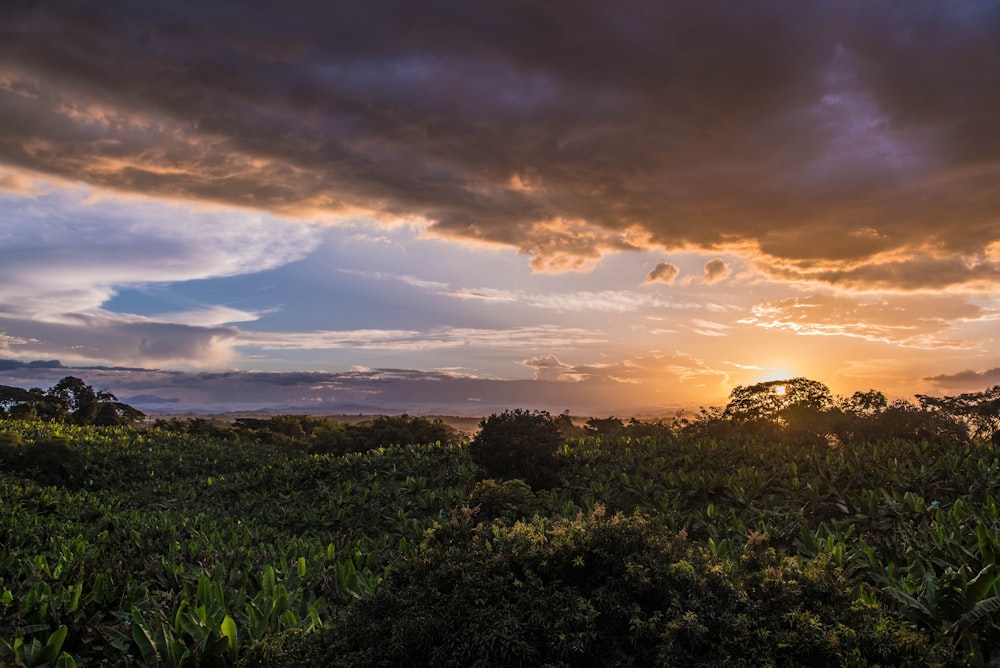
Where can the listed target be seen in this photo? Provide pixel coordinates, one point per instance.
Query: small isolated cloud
(715, 270)
(968, 379)
(664, 272)
(548, 367)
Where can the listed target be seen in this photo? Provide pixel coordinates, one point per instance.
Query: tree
(768, 400)
(79, 399)
(519, 444)
(979, 411)
(13, 397)
(69, 399)
(867, 403)
(604, 427)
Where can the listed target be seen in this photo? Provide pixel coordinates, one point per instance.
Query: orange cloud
(664, 272)
(915, 322)
(715, 270)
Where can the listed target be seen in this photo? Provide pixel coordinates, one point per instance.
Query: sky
(459, 207)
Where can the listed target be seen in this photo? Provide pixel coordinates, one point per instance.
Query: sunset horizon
(372, 207)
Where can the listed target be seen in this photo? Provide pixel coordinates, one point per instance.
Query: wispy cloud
(709, 327)
(615, 301)
(439, 338)
(905, 321)
(52, 264)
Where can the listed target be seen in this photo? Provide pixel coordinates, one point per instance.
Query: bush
(599, 591)
(381, 431)
(519, 444)
(509, 500)
(51, 461)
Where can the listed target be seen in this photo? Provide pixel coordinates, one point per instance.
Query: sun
(779, 390)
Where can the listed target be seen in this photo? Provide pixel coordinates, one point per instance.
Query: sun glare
(779, 390)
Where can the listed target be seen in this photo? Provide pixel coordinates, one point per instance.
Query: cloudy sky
(464, 206)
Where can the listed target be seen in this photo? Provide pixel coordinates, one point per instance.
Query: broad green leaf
(228, 631)
(144, 640)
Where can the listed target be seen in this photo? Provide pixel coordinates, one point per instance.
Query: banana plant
(38, 654)
(961, 610)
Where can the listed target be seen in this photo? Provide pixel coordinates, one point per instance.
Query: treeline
(805, 410)
(318, 435)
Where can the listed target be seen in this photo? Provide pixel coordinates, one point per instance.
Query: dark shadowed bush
(382, 431)
(598, 591)
(51, 461)
(519, 444)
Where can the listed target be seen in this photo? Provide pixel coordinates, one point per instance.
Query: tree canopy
(69, 400)
(768, 400)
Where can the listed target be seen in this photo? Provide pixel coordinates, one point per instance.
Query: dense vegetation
(788, 528)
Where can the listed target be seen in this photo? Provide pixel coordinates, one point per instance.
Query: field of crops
(129, 546)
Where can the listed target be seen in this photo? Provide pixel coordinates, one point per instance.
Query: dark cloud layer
(371, 391)
(969, 379)
(850, 142)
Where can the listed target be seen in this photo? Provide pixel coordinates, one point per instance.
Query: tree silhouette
(771, 399)
(70, 399)
(979, 411)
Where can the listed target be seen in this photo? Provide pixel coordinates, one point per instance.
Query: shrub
(51, 461)
(519, 444)
(599, 591)
(381, 431)
(508, 500)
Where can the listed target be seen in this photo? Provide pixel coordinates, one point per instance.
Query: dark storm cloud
(835, 133)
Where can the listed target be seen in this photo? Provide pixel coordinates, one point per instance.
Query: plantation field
(653, 546)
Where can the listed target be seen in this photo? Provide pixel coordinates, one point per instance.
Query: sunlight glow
(779, 390)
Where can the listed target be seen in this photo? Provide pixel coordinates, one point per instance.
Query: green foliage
(602, 591)
(519, 444)
(508, 500)
(201, 544)
(50, 461)
(380, 432)
(183, 550)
